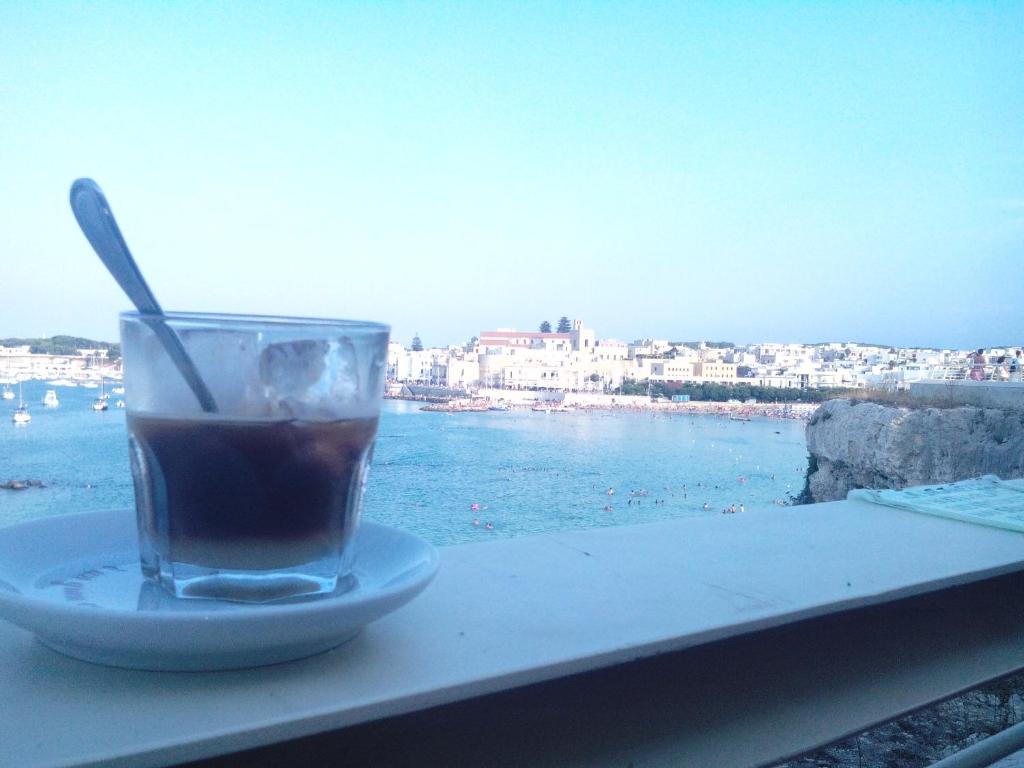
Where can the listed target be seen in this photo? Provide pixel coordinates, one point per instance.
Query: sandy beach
(734, 410)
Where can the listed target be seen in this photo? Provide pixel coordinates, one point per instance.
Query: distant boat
(21, 414)
(499, 408)
(8, 393)
(50, 399)
(120, 403)
(90, 384)
(118, 389)
(100, 403)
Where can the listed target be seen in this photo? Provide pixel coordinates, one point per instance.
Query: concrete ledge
(693, 615)
(750, 700)
(984, 394)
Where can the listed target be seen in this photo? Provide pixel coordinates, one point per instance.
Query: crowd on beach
(799, 411)
(735, 410)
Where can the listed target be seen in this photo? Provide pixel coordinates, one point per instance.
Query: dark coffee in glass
(261, 500)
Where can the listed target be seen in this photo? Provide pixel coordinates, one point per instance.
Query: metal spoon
(97, 222)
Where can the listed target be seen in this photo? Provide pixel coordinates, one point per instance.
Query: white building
(578, 361)
(20, 363)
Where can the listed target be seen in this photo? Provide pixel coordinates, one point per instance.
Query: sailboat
(100, 403)
(21, 414)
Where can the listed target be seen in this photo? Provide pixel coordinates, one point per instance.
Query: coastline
(733, 410)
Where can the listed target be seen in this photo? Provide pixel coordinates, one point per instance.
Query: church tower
(583, 339)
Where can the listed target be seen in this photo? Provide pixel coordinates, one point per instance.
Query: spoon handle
(94, 216)
(97, 221)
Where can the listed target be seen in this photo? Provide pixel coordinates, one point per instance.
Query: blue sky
(761, 171)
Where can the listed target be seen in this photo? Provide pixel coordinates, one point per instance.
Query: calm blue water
(529, 472)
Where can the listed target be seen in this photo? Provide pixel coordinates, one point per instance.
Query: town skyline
(575, 358)
(1007, 344)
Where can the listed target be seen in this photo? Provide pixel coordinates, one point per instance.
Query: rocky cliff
(857, 444)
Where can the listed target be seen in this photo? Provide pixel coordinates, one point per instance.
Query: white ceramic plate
(74, 581)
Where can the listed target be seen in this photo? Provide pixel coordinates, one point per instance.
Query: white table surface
(500, 614)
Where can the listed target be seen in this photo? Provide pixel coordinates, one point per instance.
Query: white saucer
(74, 581)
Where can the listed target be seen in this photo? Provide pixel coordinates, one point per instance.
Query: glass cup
(260, 499)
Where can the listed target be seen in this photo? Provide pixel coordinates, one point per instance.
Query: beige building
(715, 371)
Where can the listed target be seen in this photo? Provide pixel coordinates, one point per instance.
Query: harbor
(98, 391)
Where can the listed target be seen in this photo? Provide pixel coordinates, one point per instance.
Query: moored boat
(21, 414)
(50, 399)
(101, 402)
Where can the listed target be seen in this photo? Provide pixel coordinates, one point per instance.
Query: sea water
(455, 477)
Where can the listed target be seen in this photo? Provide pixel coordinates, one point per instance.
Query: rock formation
(858, 444)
